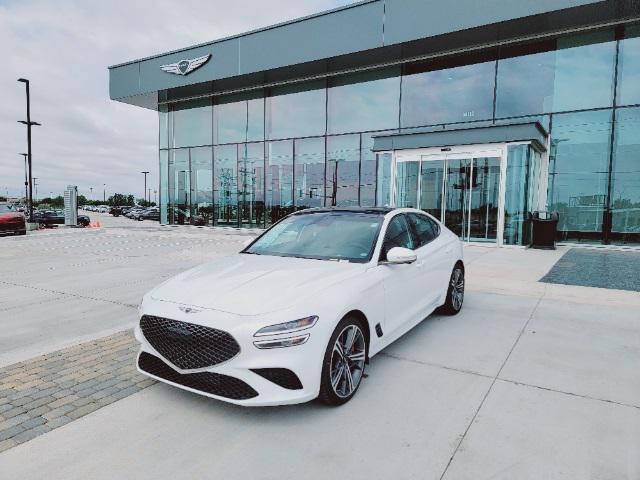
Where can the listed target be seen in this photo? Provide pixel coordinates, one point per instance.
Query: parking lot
(533, 380)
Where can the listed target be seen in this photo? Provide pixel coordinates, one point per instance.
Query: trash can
(543, 230)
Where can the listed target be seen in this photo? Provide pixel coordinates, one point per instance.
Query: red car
(12, 221)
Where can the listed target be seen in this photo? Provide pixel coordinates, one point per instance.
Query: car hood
(254, 284)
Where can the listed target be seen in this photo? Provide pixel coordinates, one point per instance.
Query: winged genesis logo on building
(184, 67)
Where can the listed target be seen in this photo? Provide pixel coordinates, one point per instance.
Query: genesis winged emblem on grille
(188, 309)
(184, 67)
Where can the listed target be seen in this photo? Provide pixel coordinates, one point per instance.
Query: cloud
(64, 49)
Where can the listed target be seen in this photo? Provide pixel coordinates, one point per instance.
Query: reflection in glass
(190, 124)
(517, 206)
(364, 101)
(201, 186)
(431, 181)
(625, 192)
(179, 188)
(407, 184)
(629, 67)
(225, 194)
(343, 165)
(383, 190)
(309, 173)
(238, 118)
(251, 186)
(570, 73)
(578, 172)
(441, 91)
(485, 188)
(457, 187)
(164, 187)
(296, 111)
(279, 180)
(163, 125)
(368, 171)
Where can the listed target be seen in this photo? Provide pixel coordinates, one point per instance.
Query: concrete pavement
(530, 381)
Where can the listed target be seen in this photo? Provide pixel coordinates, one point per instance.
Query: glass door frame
(491, 150)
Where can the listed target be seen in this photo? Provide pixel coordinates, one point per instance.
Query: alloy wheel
(457, 288)
(347, 361)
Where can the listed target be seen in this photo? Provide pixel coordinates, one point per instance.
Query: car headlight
(288, 327)
(282, 342)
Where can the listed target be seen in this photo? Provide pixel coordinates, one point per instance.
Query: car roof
(366, 210)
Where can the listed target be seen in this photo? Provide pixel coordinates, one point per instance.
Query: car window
(425, 230)
(397, 235)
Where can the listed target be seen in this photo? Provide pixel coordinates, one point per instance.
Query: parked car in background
(49, 218)
(152, 213)
(133, 212)
(12, 221)
(118, 210)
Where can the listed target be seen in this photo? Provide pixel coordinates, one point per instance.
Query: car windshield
(347, 236)
(6, 208)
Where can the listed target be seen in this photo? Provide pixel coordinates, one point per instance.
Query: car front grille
(186, 345)
(280, 376)
(208, 382)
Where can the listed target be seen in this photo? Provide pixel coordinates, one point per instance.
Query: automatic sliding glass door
(485, 195)
(462, 190)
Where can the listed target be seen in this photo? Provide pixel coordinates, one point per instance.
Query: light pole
(29, 123)
(104, 193)
(145, 185)
(35, 184)
(91, 194)
(155, 197)
(26, 182)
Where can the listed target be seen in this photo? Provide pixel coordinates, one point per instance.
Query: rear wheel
(344, 362)
(455, 292)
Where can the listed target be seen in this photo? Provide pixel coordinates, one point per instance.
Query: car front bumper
(238, 374)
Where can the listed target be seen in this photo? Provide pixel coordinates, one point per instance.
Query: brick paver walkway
(52, 390)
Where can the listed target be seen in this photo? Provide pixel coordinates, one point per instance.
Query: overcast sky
(64, 48)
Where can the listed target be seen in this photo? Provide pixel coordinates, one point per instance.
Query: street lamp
(91, 194)
(26, 182)
(145, 185)
(104, 193)
(29, 123)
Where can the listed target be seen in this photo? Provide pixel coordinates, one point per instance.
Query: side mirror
(400, 255)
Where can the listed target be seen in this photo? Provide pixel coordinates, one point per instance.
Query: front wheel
(344, 362)
(455, 292)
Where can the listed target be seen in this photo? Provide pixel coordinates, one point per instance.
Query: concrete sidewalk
(530, 381)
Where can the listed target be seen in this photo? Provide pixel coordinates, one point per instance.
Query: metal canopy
(532, 132)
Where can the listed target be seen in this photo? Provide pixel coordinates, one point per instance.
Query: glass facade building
(327, 111)
(247, 160)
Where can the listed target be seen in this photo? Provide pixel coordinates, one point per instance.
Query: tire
(455, 292)
(341, 390)
(22, 232)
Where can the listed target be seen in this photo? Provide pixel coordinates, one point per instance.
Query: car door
(433, 259)
(402, 283)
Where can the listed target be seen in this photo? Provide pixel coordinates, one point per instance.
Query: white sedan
(300, 311)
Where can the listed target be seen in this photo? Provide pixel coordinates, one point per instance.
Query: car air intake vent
(280, 376)
(186, 345)
(208, 382)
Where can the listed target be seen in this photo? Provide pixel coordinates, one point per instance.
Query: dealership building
(478, 112)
